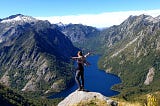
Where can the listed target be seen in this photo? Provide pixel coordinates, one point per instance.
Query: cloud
(99, 20)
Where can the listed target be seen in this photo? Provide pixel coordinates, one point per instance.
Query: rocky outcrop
(5, 79)
(81, 98)
(30, 86)
(150, 76)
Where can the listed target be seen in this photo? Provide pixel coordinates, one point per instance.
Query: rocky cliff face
(34, 55)
(150, 76)
(80, 98)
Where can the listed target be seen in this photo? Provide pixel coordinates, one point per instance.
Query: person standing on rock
(81, 61)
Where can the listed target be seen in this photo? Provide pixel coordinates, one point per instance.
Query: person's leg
(82, 78)
(77, 78)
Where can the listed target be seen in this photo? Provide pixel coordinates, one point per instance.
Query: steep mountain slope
(34, 55)
(134, 54)
(84, 37)
(11, 98)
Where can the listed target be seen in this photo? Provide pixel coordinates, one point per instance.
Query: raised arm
(87, 54)
(75, 58)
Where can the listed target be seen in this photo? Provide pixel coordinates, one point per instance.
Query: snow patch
(20, 18)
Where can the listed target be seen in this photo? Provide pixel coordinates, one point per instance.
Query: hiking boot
(79, 89)
(82, 88)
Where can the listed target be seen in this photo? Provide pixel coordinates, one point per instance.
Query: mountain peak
(79, 98)
(18, 18)
(13, 16)
(158, 17)
(60, 24)
(140, 17)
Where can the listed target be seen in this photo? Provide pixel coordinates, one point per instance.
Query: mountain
(34, 55)
(128, 29)
(78, 32)
(132, 51)
(12, 24)
(83, 37)
(18, 19)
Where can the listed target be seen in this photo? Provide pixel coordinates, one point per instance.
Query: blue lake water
(95, 81)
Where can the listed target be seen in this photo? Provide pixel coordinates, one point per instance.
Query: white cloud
(99, 20)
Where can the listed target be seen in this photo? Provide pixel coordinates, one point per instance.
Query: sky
(97, 13)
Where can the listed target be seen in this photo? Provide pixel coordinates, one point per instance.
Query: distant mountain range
(35, 54)
(79, 32)
(82, 36)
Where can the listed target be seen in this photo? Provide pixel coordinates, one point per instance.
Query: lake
(95, 80)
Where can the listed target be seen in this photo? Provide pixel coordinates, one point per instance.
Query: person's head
(80, 53)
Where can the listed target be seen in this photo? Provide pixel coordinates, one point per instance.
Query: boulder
(82, 98)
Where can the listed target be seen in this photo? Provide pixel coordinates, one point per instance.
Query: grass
(151, 99)
(96, 102)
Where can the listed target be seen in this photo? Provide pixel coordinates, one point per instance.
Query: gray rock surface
(78, 98)
(150, 76)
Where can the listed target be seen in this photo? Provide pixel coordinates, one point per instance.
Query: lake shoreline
(105, 87)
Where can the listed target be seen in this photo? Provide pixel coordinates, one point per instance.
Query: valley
(35, 54)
